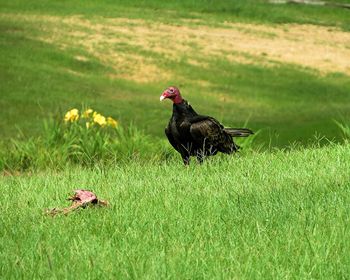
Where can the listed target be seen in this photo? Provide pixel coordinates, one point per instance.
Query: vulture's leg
(185, 158)
(185, 154)
(200, 155)
(200, 159)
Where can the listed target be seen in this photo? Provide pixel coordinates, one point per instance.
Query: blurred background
(278, 67)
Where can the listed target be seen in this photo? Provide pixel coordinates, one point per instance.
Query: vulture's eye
(171, 90)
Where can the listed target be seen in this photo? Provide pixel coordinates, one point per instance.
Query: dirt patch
(142, 51)
(81, 58)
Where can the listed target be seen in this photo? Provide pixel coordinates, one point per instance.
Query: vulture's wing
(170, 137)
(208, 131)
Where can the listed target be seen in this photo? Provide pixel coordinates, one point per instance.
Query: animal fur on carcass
(81, 199)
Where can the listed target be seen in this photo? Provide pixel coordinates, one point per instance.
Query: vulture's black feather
(197, 135)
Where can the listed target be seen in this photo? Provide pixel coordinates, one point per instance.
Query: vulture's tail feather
(238, 132)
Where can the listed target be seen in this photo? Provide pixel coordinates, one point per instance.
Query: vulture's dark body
(196, 135)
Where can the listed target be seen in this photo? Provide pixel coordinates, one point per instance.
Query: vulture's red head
(172, 93)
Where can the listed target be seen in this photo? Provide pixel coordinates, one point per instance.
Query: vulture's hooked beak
(164, 95)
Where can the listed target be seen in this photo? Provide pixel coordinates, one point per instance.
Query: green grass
(281, 215)
(83, 141)
(237, 10)
(37, 78)
(260, 214)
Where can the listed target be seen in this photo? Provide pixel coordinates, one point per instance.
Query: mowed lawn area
(264, 216)
(281, 68)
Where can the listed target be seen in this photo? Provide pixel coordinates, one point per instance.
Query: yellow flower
(112, 122)
(88, 124)
(72, 115)
(87, 113)
(101, 120)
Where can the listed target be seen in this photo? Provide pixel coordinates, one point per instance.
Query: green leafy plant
(87, 138)
(344, 128)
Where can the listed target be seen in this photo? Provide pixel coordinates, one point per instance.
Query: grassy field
(264, 216)
(232, 60)
(279, 209)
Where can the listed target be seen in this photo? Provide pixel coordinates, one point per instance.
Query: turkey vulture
(197, 135)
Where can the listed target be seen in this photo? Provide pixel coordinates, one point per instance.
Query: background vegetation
(46, 69)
